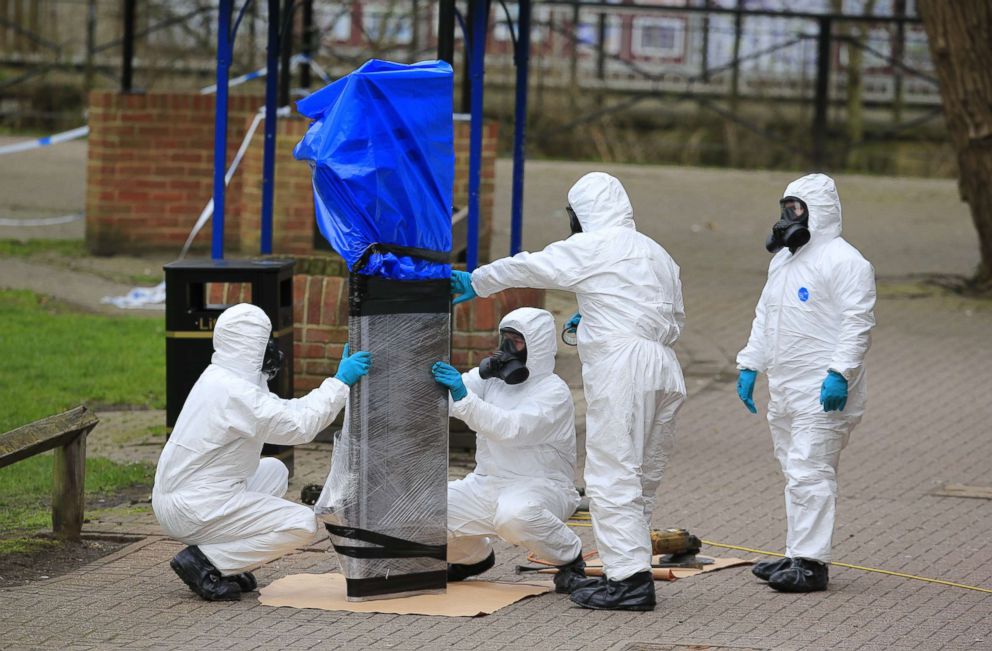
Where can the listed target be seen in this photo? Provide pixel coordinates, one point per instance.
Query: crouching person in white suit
(522, 488)
(213, 491)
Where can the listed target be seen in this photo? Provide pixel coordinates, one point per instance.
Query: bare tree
(960, 38)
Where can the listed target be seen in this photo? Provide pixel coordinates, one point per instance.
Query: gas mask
(507, 363)
(573, 220)
(272, 361)
(792, 228)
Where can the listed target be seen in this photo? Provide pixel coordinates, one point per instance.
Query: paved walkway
(927, 424)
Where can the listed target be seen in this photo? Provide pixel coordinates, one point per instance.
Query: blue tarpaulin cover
(381, 147)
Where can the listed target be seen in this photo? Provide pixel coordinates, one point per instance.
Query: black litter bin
(190, 319)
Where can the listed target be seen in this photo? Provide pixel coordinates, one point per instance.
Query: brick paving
(927, 423)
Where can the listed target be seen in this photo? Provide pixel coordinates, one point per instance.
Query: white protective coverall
(630, 298)
(815, 315)
(523, 485)
(211, 487)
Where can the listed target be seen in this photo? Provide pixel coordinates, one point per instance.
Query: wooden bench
(66, 434)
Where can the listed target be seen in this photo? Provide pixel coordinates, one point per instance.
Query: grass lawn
(56, 358)
(26, 248)
(26, 489)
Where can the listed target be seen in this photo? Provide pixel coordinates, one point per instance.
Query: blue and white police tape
(27, 145)
(42, 221)
(261, 72)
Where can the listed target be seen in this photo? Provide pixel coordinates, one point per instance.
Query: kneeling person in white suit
(212, 490)
(522, 488)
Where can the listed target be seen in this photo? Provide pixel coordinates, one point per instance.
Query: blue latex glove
(352, 367)
(461, 283)
(745, 388)
(447, 375)
(573, 322)
(833, 393)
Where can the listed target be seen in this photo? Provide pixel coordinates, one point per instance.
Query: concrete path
(927, 424)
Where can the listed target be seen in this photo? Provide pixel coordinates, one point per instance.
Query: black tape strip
(370, 295)
(397, 583)
(384, 552)
(377, 247)
(389, 546)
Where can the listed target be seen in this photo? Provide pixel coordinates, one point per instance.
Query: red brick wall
(150, 173)
(149, 169)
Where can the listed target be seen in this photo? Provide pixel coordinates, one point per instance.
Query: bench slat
(46, 434)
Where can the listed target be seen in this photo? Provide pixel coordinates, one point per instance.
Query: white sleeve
(853, 287)
(299, 420)
(532, 421)
(754, 356)
(560, 265)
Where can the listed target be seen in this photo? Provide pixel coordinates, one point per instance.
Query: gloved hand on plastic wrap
(833, 392)
(573, 322)
(745, 388)
(447, 375)
(353, 367)
(461, 285)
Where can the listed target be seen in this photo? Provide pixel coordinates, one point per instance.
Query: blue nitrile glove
(461, 283)
(447, 375)
(352, 367)
(745, 388)
(573, 323)
(833, 393)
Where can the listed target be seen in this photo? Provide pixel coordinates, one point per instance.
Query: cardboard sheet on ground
(464, 599)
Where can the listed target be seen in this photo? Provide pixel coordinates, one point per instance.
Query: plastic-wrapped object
(382, 151)
(385, 499)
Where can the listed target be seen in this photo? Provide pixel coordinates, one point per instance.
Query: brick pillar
(149, 169)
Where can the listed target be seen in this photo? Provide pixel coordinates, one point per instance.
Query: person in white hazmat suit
(212, 490)
(523, 485)
(630, 314)
(811, 331)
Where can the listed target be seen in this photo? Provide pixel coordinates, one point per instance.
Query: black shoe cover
(765, 569)
(572, 576)
(804, 575)
(460, 572)
(202, 577)
(633, 593)
(246, 581)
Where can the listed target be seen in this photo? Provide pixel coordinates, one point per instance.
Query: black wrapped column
(385, 499)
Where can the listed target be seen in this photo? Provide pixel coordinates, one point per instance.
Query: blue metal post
(480, 20)
(522, 60)
(269, 149)
(220, 125)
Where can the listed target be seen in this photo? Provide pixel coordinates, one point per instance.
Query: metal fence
(838, 75)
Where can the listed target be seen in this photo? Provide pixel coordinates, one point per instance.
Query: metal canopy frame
(477, 31)
(226, 34)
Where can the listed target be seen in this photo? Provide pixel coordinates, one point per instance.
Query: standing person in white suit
(811, 331)
(212, 490)
(630, 314)
(523, 485)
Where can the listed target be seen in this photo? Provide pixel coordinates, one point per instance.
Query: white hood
(538, 328)
(819, 194)
(599, 201)
(240, 337)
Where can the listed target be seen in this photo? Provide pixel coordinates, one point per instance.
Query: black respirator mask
(507, 363)
(573, 220)
(273, 360)
(792, 228)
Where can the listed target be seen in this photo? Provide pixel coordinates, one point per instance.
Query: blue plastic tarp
(381, 147)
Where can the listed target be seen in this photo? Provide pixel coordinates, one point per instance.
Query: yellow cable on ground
(858, 567)
(976, 588)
